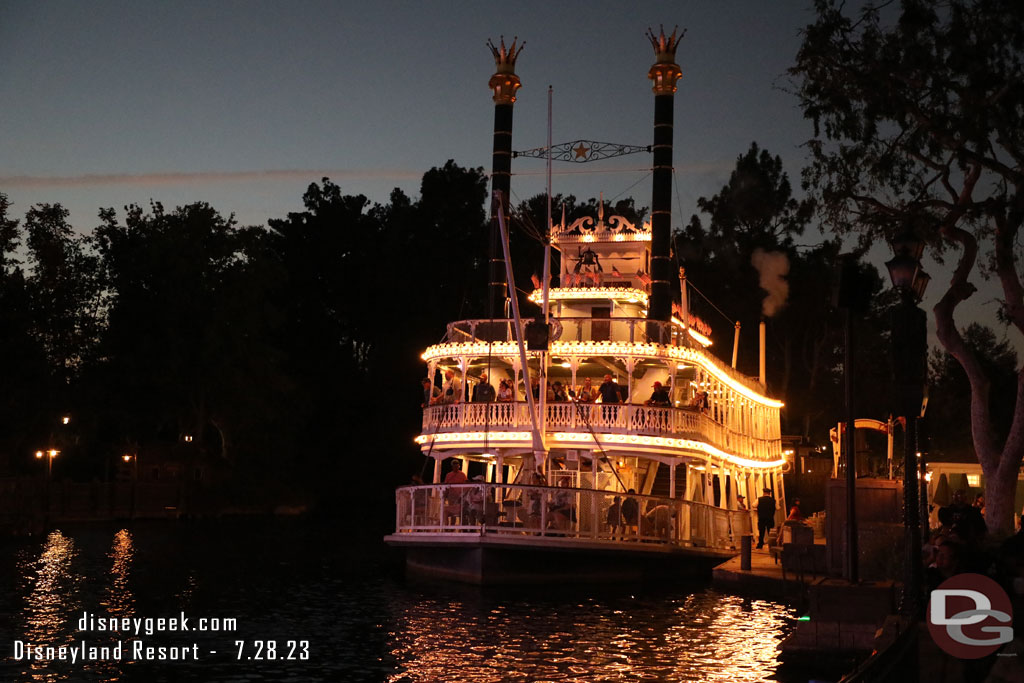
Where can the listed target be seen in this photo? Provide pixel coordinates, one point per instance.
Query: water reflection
(363, 622)
(52, 586)
(120, 600)
(704, 636)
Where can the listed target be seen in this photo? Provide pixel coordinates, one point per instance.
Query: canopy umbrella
(943, 495)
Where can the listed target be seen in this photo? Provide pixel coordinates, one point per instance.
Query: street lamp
(49, 454)
(134, 460)
(909, 358)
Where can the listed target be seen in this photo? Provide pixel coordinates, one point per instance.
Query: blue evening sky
(243, 104)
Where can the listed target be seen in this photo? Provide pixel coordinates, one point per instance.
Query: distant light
(188, 438)
(66, 419)
(566, 364)
(53, 452)
(126, 457)
(39, 454)
(806, 617)
(974, 480)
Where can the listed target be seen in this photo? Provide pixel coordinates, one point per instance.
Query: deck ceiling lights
(616, 349)
(472, 436)
(627, 294)
(688, 444)
(624, 439)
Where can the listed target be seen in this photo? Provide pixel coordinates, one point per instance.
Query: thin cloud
(150, 179)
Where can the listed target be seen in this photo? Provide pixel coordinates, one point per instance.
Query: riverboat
(628, 464)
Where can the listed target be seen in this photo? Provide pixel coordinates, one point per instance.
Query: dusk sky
(243, 104)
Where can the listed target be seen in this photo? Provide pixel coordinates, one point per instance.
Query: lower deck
(489, 559)
(481, 532)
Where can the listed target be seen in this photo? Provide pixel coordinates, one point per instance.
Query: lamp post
(134, 461)
(909, 358)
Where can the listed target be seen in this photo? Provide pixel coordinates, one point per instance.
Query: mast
(504, 83)
(665, 72)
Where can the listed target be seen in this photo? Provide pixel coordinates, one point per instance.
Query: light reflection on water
(51, 584)
(705, 636)
(290, 580)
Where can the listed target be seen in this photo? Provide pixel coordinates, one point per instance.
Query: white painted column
(672, 481)
(437, 470)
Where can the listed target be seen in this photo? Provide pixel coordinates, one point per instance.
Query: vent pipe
(761, 373)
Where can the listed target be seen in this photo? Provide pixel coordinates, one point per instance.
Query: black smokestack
(664, 73)
(504, 83)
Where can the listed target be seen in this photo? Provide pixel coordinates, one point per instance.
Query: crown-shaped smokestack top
(665, 71)
(504, 82)
(665, 47)
(505, 58)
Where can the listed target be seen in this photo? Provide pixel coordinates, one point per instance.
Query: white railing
(576, 329)
(680, 423)
(566, 514)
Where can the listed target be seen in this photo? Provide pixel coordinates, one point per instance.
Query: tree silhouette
(918, 124)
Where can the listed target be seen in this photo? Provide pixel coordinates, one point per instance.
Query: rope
(710, 303)
(593, 435)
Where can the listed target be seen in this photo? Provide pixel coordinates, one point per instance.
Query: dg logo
(970, 616)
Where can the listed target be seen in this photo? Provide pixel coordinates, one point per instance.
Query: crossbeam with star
(579, 151)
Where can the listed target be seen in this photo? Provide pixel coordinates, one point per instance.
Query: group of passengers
(962, 544)
(472, 505)
(608, 392)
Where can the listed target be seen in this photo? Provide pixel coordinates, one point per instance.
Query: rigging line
(710, 303)
(525, 222)
(642, 178)
(679, 201)
(593, 435)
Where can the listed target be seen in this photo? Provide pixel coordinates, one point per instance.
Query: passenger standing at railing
(451, 390)
(659, 519)
(483, 392)
(659, 397)
(615, 521)
(505, 394)
(475, 500)
(700, 401)
(609, 390)
(431, 393)
(453, 497)
(558, 394)
(631, 513)
(586, 393)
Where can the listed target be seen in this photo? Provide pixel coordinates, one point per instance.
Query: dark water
(312, 588)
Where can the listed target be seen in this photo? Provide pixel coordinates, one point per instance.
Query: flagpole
(547, 307)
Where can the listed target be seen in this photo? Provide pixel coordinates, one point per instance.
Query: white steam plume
(772, 266)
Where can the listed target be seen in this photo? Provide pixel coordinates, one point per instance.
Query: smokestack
(504, 83)
(761, 374)
(665, 72)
